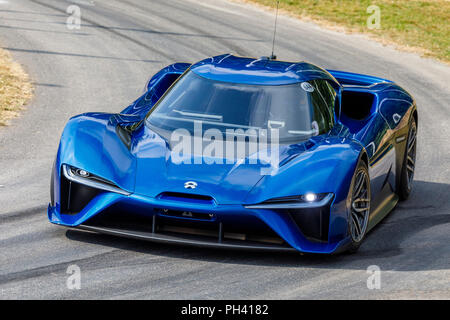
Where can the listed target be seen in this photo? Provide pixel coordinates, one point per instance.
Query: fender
(83, 146)
(328, 167)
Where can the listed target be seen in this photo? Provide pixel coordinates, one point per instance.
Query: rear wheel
(359, 206)
(409, 163)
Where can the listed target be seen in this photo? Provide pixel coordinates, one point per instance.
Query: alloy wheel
(360, 206)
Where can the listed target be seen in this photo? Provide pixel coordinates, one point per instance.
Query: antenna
(273, 56)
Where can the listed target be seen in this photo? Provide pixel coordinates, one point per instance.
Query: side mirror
(167, 75)
(155, 88)
(160, 86)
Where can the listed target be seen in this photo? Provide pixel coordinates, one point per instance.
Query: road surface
(104, 65)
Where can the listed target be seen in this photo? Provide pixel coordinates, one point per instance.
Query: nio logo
(307, 87)
(190, 185)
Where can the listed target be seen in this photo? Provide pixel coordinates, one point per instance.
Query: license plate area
(186, 214)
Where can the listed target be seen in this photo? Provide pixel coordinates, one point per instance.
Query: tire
(409, 162)
(359, 206)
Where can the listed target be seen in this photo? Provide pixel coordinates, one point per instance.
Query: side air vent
(75, 196)
(313, 222)
(357, 105)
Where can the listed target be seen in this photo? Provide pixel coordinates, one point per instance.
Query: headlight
(309, 200)
(81, 176)
(310, 197)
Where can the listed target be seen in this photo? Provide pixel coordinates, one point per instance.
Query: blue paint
(321, 164)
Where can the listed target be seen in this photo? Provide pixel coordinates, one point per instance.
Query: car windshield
(290, 109)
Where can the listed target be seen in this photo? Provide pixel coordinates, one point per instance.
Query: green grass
(418, 25)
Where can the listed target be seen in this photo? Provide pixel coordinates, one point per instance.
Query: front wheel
(359, 207)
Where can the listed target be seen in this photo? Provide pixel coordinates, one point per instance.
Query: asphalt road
(104, 65)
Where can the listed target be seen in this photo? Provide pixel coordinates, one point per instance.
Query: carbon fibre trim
(191, 241)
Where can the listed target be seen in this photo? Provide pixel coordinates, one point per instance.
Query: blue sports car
(245, 153)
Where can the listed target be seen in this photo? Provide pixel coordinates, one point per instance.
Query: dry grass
(15, 88)
(422, 26)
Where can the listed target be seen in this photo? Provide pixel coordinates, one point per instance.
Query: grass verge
(421, 26)
(15, 88)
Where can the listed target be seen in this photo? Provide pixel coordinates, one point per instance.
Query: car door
(377, 137)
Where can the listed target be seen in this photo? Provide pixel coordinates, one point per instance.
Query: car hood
(145, 167)
(157, 172)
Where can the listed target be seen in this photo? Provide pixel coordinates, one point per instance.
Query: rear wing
(355, 79)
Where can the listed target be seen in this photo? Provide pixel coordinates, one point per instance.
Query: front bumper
(229, 226)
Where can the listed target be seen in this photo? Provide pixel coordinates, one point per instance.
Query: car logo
(190, 185)
(307, 87)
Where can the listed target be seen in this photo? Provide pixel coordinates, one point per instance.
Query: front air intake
(75, 196)
(186, 197)
(312, 222)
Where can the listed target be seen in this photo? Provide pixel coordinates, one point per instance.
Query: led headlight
(84, 177)
(308, 200)
(310, 197)
(82, 173)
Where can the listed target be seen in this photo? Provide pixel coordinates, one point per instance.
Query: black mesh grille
(314, 223)
(116, 217)
(75, 196)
